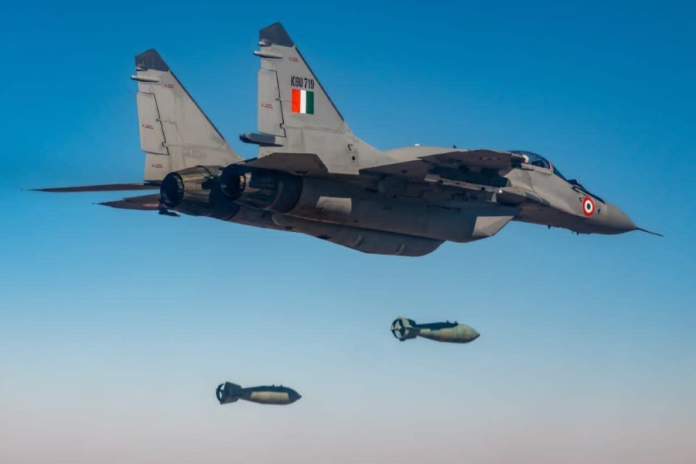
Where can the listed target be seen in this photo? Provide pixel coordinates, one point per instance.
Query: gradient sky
(116, 326)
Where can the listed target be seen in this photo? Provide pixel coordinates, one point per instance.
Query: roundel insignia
(588, 206)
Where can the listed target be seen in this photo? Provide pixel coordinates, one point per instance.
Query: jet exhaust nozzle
(233, 181)
(260, 188)
(195, 191)
(172, 190)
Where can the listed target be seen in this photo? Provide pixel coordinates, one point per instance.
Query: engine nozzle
(233, 182)
(172, 190)
(195, 191)
(260, 188)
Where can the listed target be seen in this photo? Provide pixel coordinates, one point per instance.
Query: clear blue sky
(116, 326)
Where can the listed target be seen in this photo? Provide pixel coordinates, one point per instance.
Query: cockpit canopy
(539, 161)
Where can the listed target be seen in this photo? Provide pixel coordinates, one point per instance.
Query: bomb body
(448, 332)
(278, 395)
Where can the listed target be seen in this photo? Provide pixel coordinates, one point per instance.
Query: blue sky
(116, 326)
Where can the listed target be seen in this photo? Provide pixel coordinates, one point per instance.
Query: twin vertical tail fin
(227, 392)
(174, 132)
(295, 113)
(290, 96)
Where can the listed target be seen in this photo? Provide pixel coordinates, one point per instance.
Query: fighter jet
(450, 332)
(313, 176)
(230, 393)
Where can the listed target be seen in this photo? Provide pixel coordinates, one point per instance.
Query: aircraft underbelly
(364, 240)
(401, 215)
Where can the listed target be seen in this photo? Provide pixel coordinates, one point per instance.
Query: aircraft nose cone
(617, 221)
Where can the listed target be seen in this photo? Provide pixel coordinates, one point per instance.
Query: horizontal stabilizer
(142, 203)
(100, 188)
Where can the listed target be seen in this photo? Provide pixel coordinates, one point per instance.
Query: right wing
(426, 158)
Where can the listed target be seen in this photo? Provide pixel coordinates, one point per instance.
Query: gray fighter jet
(230, 393)
(313, 176)
(449, 332)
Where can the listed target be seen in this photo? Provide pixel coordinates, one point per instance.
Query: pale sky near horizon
(116, 326)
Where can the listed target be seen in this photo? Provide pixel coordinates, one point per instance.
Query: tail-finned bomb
(230, 393)
(449, 332)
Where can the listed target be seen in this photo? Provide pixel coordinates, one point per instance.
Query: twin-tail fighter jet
(314, 176)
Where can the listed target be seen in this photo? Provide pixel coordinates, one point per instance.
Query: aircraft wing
(477, 159)
(294, 163)
(454, 159)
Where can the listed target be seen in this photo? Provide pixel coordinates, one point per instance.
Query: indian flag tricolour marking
(302, 101)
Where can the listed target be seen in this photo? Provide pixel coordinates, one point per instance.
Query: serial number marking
(302, 82)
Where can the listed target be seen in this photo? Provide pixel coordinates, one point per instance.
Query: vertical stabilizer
(296, 115)
(174, 132)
